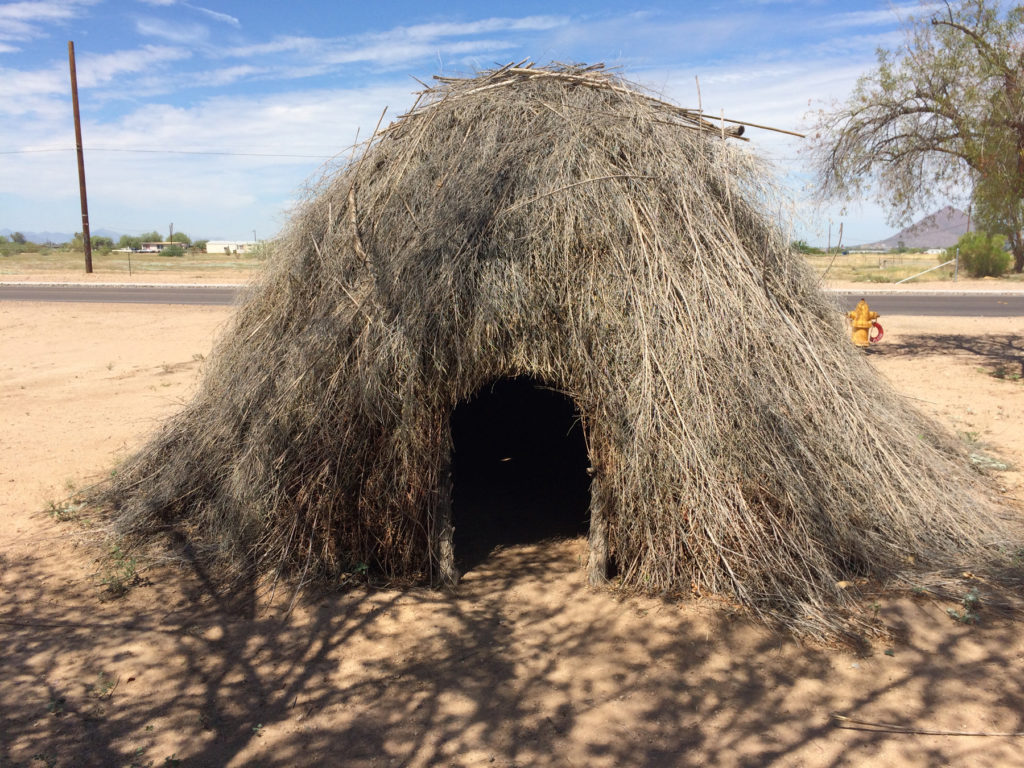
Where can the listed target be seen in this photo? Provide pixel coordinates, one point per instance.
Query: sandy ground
(522, 665)
(942, 286)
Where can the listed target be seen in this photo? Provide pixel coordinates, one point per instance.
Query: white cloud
(854, 44)
(216, 15)
(890, 15)
(437, 30)
(36, 11)
(205, 195)
(293, 57)
(278, 45)
(16, 85)
(394, 53)
(185, 34)
(100, 69)
(225, 76)
(645, 36)
(406, 42)
(26, 91)
(25, 20)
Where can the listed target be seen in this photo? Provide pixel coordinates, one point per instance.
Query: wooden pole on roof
(86, 240)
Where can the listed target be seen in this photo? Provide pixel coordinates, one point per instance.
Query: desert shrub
(173, 250)
(981, 254)
(11, 248)
(260, 251)
(101, 244)
(802, 246)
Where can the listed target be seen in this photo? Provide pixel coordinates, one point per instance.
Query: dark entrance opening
(519, 469)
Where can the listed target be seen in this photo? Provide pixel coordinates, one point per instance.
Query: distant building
(157, 247)
(230, 246)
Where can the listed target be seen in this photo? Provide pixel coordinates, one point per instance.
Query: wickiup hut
(547, 275)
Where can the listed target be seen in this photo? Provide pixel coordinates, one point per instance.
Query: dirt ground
(523, 665)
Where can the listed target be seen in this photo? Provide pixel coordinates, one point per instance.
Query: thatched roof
(560, 224)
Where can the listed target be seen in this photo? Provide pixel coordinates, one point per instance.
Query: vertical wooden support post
(86, 240)
(443, 528)
(597, 563)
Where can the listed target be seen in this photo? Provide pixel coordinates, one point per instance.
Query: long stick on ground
(892, 728)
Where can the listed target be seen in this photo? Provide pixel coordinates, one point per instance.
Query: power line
(167, 152)
(26, 151)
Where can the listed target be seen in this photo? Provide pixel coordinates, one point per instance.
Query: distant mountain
(40, 237)
(60, 237)
(938, 230)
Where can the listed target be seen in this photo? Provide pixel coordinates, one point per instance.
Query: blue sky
(246, 101)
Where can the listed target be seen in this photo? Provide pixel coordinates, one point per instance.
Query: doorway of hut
(519, 469)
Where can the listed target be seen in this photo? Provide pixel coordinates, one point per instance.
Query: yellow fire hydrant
(863, 320)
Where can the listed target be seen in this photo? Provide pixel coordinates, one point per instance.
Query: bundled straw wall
(559, 224)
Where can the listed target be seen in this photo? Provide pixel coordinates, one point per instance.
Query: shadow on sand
(523, 665)
(1001, 354)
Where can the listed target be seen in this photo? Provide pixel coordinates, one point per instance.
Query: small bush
(969, 615)
(173, 250)
(261, 251)
(120, 574)
(12, 249)
(101, 244)
(981, 254)
(801, 246)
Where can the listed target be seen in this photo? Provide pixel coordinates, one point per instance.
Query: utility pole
(170, 237)
(86, 240)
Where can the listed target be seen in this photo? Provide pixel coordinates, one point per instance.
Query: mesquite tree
(940, 116)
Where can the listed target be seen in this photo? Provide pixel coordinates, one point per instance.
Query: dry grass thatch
(561, 224)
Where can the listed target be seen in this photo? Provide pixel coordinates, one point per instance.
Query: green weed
(969, 614)
(1017, 558)
(121, 573)
(1004, 372)
(971, 438)
(56, 705)
(63, 511)
(103, 688)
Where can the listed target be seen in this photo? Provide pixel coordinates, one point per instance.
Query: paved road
(122, 294)
(975, 304)
(957, 305)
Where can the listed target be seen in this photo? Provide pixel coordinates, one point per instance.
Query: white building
(230, 246)
(157, 247)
